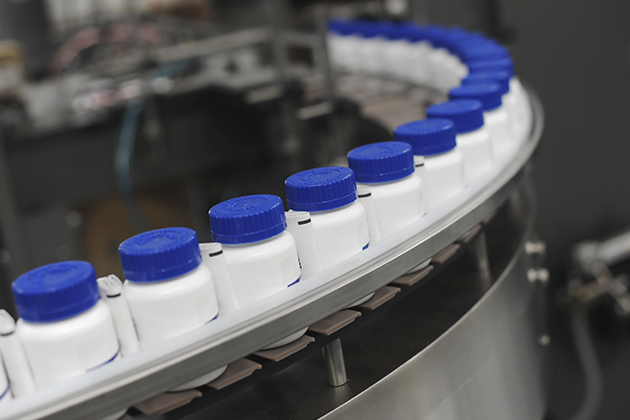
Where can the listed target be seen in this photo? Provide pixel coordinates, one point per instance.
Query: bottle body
(5, 391)
(417, 68)
(261, 269)
(397, 203)
(476, 150)
(162, 310)
(340, 233)
(368, 53)
(498, 123)
(442, 177)
(523, 111)
(61, 350)
(343, 51)
(165, 309)
(394, 56)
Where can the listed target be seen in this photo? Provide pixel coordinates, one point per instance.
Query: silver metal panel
(158, 369)
(487, 366)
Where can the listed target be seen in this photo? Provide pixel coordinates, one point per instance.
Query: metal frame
(158, 369)
(465, 372)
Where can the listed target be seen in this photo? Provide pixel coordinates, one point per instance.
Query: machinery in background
(140, 113)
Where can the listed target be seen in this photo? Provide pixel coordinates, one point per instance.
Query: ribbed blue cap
(466, 114)
(504, 64)
(489, 94)
(381, 162)
(427, 137)
(247, 219)
(56, 291)
(367, 28)
(342, 27)
(455, 38)
(321, 189)
(484, 52)
(160, 254)
(397, 31)
(436, 35)
(501, 77)
(417, 33)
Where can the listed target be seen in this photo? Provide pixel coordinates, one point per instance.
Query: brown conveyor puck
(240, 369)
(470, 235)
(381, 296)
(489, 218)
(283, 352)
(166, 402)
(335, 322)
(443, 256)
(413, 278)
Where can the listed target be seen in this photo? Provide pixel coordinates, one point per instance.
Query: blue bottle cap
(397, 31)
(160, 254)
(488, 93)
(367, 28)
(336, 26)
(466, 114)
(427, 137)
(247, 219)
(501, 77)
(484, 52)
(436, 35)
(56, 291)
(504, 64)
(417, 33)
(381, 162)
(321, 189)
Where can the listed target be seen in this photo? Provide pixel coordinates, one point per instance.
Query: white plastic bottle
(416, 68)
(508, 99)
(330, 195)
(441, 166)
(342, 41)
(388, 168)
(168, 290)
(515, 99)
(395, 53)
(495, 115)
(369, 48)
(473, 139)
(260, 254)
(5, 389)
(444, 67)
(64, 326)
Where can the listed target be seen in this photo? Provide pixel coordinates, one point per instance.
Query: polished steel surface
(158, 369)
(487, 366)
(335, 364)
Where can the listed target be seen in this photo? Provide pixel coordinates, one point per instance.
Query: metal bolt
(535, 247)
(544, 340)
(538, 275)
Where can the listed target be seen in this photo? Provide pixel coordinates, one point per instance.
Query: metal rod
(335, 364)
(479, 248)
(322, 58)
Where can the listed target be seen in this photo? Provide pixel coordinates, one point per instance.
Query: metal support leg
(479, 249)
(335, 364)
